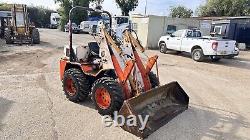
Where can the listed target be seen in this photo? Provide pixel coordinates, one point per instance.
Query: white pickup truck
(192, 42)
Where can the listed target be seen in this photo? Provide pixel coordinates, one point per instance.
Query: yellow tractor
(19, 29)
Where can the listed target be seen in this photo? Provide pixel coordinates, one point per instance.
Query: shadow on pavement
(200, 122)
(5, 106)
(87, 103)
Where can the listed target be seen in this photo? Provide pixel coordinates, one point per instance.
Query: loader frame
(160, 104)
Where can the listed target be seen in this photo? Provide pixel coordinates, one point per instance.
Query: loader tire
(75, 85)
(8, 37)
(35, 36)
(153, 80)
(107, 95)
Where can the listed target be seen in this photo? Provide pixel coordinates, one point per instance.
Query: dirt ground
(33, 106)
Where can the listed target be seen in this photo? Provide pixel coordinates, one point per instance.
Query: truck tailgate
(226, 47)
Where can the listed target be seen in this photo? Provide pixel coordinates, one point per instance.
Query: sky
(154, 7)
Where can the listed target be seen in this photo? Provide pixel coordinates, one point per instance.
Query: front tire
(197, 55)
(75, 85)
(163, 48)
(107, 95)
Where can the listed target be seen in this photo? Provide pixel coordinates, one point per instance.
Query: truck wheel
(215, 59)
(8, 36)
(35, 36)
(75, 85)
(153, 80)
(107, 95)
(163, 48)
(197, 55)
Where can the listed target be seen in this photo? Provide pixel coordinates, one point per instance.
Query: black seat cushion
(94, 48)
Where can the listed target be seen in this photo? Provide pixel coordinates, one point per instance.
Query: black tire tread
(35, 36)
(115, 91)
(81, 82)
(8, 36)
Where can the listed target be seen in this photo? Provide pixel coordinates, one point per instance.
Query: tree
(181, 12)
(78, 16)
(225, 8)
(5, 7)
(127, 5)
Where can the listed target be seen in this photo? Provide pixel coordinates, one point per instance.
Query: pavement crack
(42, 83)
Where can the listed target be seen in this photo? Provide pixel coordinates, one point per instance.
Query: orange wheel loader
(117, 79)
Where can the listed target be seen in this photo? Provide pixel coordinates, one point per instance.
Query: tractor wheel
(75, 85)
(107, 95)
(153, 80)
(35, 36)
(8, 37)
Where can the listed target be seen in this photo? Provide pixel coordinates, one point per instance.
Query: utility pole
(146, 6)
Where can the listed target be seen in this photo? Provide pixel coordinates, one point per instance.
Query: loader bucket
(161, 105)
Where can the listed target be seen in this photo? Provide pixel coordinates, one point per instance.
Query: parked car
(191, 41)
(75, 28)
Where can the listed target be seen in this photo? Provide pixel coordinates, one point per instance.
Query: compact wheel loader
(117, 79)
(19, 30)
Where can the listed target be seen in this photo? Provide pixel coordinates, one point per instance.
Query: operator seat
(94, 48)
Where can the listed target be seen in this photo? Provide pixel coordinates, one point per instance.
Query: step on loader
(117, 79)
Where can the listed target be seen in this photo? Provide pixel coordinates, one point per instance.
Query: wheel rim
(197, 55)
(70, 87)
(103, 98)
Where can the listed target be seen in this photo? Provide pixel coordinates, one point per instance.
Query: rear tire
(8, 37)
(75, 85)
(163, 48)
(197, 55)
(35, 36)
(153, 80)
(107, 95)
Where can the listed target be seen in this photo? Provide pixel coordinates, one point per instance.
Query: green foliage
(181, 12)
(127, 6)
(5, 7)
(225, 8)
(78, 15)
(40, 16)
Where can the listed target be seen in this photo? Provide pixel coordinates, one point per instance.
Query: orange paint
(63, 64)
(151, 62)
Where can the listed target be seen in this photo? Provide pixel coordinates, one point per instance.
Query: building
(151, 28)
